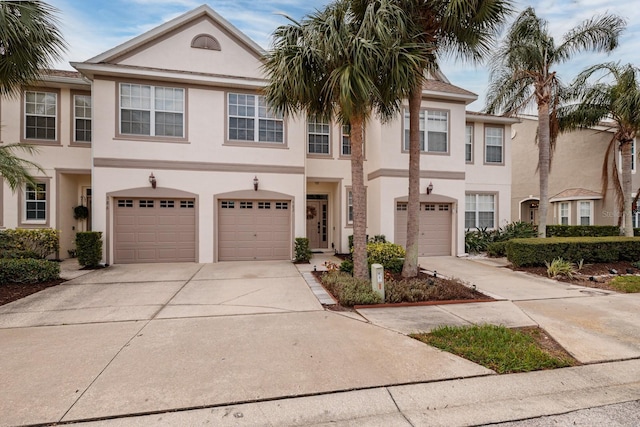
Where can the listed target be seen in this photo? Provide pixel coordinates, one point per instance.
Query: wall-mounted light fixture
(255, 183)
(152, 180)
(430, 188)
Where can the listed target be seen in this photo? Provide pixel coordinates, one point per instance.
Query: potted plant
(81, 212)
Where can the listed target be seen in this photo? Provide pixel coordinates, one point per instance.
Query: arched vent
(205, 41)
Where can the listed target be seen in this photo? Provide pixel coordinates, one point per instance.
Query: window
(41, 111)
(585, 212)
(317, 136)
(349, 207)
(251, 120)
(246, 205)
(35, 202)
(82, 118)
(227, 204)
(436, 126)
(493, 139)
(468, 144)
(479, 211)
(151, 110)
(564, 213)
(345, 145)
(167, 203)
(282, 205)
(145, 203)
(633, 157)
(401, 206)
(125, 203)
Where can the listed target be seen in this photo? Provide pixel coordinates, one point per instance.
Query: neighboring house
(575, 180)
(55, 117)
(189, 164)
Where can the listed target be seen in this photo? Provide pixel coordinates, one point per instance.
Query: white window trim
(311, 120)
(486, 144)
(152, 110)
(568, 213)
(470, 142)
(634, 160)
(424, 129)
(75, 118)
(256, 122)
(591, 211)
(54, 116)
(46, 202)
(477, 211)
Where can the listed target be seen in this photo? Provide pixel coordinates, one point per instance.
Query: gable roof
(575, 194)
(113, 54)
(441, 88)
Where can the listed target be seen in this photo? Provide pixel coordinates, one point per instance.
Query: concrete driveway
(134, 339)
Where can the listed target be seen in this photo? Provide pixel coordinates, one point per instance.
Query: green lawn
(628, 284)
(496, 347)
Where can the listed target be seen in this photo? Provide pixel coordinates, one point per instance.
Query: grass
(628, 284)
(496, 347)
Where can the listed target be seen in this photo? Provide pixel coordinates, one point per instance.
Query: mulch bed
(597, 275)
(10, 292)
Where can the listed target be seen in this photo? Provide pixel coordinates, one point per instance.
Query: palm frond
(15, 170)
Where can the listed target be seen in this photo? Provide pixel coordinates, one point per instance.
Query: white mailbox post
(377, 279)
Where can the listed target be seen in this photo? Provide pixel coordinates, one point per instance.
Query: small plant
(81, 212)
(378, 238)
(636, 264)
(331, 266)
(348, 290)
(89, 248)
(347, 266)
(301, 249)
(627, 284)
(560, 267)
(387, 254)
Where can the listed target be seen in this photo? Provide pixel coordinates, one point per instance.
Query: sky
(91, 27)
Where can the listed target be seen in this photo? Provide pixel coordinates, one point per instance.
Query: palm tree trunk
(544, 149)
(358, 200)
(410, 267)
(625, 147)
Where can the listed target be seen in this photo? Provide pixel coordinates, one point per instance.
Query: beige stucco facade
(575, 180)
(208, 164)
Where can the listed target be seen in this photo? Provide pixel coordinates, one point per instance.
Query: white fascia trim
(166, 75)
(574, 198)
(491, 119)
(449, 96)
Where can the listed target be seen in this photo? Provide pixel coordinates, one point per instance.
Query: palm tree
(617, 100)
(464, 29)
(333, 64)
(522, 74)
(14, 169)
(29, 43)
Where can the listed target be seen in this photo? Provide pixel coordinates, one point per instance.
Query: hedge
(534, 252)
(28, 271)
(29, 243)
(89, 246)
(582, 230)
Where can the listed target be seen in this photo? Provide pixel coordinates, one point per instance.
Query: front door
(317, 224)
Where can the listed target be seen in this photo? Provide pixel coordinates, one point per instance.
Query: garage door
(154, 230)
(254, 230)
(435, 228)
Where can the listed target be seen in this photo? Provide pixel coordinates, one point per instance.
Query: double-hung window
(35, 202)
(434, 131)
(564, 213)
(584, 209)
(82, 118)
(251, 120)
(494, 143)
(345, 144)
(317, 136)
(151, 110)
(41, 112)
(468, 144)
(479, 211)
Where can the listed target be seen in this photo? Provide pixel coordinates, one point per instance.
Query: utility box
(377, 279)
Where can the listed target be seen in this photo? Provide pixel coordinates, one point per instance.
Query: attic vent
(205, 41)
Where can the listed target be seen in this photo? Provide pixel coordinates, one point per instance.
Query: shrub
(351, 241)
(582, 230)
(29, 243)
(348, 290)
(477, 240)
(347, 266)
(560, 267)
(301, 249)
(534, 252)
(390, 255)
(28, 271)
(516, 230)
(89, 247)
(378, 238)
(497, 249)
